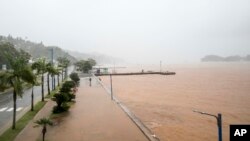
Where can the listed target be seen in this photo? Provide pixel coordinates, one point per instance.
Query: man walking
(90, 81)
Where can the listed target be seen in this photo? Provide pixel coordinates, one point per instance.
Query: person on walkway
(90, 81)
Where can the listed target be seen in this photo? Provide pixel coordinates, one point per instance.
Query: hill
(99, 58)
(36, 50)
(216, 58)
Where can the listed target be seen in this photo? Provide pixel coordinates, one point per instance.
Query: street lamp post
(111, 87)
(52, 62)
(219, 122)
(160, 66)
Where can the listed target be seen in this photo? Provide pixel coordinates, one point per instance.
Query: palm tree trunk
(54, 79)
(32, 99)
(44, 131)
(66, 71)
(43, 136)
(14, 110)
(48, 84)
(62, 75)
(42, 88)
(52, 83)
(58, 80)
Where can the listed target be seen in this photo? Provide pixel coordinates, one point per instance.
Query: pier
(136, 73)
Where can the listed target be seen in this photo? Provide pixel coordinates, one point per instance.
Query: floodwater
(165, 104)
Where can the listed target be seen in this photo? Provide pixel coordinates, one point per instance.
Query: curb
(144, 129)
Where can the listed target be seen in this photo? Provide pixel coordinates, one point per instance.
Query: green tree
(25, 55)
(43, 122)
(92, 62)
(85, 66)
(40, 66)
(79, 65)
(19, 73)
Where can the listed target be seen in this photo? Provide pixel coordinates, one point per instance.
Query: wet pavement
(93, 117)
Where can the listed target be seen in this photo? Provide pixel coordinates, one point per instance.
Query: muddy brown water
(165, 103)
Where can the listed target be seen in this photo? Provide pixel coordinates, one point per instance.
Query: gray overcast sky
(176, 31)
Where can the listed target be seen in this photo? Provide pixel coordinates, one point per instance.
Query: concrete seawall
(144, 129)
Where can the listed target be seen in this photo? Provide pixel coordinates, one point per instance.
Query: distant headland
(216, 58)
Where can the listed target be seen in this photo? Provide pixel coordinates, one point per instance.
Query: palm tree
(43, 122)
(58, 74)
(34, 83)
(54, 81)
(64, 63)
(60, 69)
(19, 73)
(40, 66)
(50, 69)
(32, 92)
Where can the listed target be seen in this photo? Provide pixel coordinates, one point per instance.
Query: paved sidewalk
(94, 117)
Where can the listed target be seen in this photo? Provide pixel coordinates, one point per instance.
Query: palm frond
(5, 80)
(44, 121)
(40, 66)
(18, 87)
(27, 75)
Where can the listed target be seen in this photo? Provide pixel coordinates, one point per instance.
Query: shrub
(61, 99)
(67, 86)
(74, 76)
(63, 108)
(67, 89)
(71, 96)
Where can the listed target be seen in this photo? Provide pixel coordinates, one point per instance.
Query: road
(24, 102)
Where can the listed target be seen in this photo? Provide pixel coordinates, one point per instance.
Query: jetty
(136, 73)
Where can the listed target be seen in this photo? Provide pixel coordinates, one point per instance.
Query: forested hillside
(36, 50)
(8, 50)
